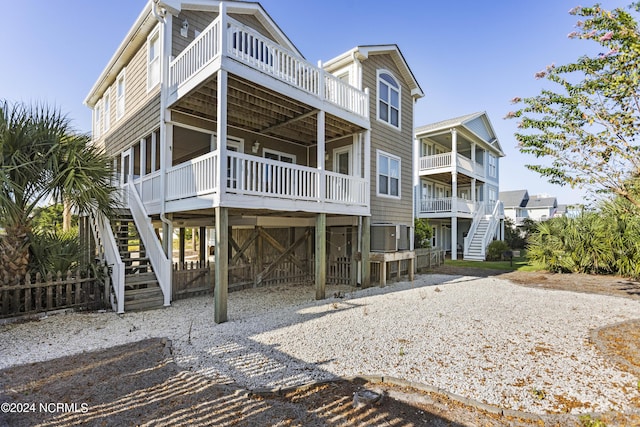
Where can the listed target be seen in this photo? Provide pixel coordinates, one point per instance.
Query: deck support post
(203, 245)
(321, 255)
(221, 289)
(366, 249)
(182, 248)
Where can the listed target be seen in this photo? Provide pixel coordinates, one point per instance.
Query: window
(388, 175)
(107, 112)
(388, 99)
(493, 166)
(276, 155)
(153, 60)
(97, 115)
(120, 93)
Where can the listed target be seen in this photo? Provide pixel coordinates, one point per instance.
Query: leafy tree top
(588, 128)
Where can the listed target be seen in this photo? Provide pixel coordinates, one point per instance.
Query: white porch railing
(106, 241)
(257, 176)
(447, 205)
(346, 189)
(202, 50)
(159, 261)
(493, 223)
(443, 160)
(435, 162)
(251, 48)
(148, 187)
(265, 177)
(195, 177)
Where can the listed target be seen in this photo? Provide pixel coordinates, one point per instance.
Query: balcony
(444, 207)
(256, 182)
(226, 39)
(442, 163)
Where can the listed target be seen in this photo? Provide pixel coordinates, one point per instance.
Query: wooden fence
(427, 258)
(192, 279)
(76, 289)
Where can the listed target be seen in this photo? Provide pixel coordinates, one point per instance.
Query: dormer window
(388, 99)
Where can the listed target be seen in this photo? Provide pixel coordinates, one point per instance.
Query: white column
(221, 132)
(367, 163)
(454, 238)
(320, 155)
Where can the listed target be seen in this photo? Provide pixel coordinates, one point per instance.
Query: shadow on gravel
(139, 384)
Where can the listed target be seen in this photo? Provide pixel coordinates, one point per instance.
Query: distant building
(519, 205)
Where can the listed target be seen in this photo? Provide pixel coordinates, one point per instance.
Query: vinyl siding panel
(479, 128)
(130, 130)
(393, 141)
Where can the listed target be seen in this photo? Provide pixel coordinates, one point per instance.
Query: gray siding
(392, 141)
(130, 130)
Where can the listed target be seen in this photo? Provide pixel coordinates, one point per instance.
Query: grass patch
(519, 264)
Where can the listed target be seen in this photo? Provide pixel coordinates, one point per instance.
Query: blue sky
(474, 56)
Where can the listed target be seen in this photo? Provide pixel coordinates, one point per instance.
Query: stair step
(142, 293)
(133, 279)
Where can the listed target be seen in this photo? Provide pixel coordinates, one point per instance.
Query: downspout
(160, 16)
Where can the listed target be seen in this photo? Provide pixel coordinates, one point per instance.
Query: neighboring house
(458, 184)
(515, 205)
(519, 205)
(217, 122)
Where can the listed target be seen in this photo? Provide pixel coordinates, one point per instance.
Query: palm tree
(44, 160)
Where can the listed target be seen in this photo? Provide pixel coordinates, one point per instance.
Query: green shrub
(496, 249)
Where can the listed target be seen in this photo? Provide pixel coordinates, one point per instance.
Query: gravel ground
(486, 339)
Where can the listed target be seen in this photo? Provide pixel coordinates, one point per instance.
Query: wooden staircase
(142, 291)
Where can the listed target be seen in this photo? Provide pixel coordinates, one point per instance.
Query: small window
(120, 95)
(493, 166)
(388, 99)
(97, 116)
(388, 175)
(107, 112)
(153, 60)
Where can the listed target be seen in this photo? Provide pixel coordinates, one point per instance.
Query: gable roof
(542, 201)
(515, 198)
(477, 123)
(364, 51)
(146, 21)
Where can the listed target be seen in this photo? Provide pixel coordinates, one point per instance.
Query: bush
(422, 233)
(595, 243)
(496, 249)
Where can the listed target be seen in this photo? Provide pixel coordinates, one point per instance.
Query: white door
(126, 167)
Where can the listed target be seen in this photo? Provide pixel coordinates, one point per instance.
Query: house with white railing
(458, 184)
(289, 171)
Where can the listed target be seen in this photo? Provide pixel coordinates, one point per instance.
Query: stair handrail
(479, 213)
(105, 239)
(159, 261)
(493, 223)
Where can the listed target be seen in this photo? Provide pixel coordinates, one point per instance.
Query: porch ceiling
(258, 109)
(446, 178)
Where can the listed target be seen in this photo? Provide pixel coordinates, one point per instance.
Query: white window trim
(97, 119)
(390, 156)
(106, 111)
(120, 112)
(493, 166)
(151, 84)
(279, 154)
(388, 123)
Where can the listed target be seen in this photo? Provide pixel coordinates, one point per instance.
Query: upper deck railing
(251, 48)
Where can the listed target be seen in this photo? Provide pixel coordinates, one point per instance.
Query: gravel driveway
(486, 339)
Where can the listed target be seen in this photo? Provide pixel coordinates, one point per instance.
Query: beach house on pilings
(216, 122)
(458, 184)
